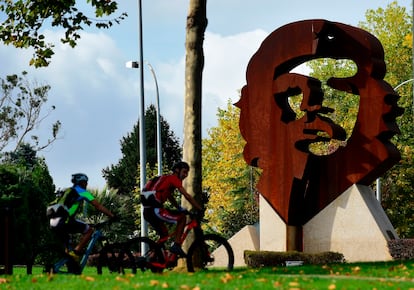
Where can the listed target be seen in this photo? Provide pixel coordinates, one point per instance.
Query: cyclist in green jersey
(67, 223)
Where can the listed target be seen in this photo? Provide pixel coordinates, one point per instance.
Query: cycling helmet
(78, 177)
(180, 165)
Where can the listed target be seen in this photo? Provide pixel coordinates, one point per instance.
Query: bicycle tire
(116, 259)
(152, 259)
(208, 252)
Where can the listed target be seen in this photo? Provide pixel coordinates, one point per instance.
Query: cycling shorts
(167, 216)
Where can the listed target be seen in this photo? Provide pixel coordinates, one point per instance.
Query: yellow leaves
(294, 285)
(277, 284)
(332, 287)
(88, 278)
(3, 281)
(186, 287)
(226, 278)
(154, 282)
(356, 270)
(408, 40)
(223, 163)
(158, 283)
(121, 279)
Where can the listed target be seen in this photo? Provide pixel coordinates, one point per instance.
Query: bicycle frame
(171, 258)
(192, 224)
(200, 253)
(97, 234)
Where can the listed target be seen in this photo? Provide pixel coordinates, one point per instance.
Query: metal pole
(142, 139)
(159, 150)
(378, 189)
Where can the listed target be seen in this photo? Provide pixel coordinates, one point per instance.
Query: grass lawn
(379, 275)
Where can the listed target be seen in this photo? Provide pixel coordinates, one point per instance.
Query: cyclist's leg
(177, 218)
(155, 222)
(77, 226)
(57, 259)
(172, 217)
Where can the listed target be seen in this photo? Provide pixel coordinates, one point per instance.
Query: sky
(97, 97)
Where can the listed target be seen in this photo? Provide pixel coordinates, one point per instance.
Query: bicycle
(200, 255)
(111, 255)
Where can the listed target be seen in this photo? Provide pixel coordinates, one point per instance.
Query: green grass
(380, 275)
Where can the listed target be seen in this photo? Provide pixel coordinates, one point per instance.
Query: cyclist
(65, 222)
(155, 194)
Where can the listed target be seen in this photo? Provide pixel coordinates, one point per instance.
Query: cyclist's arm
(191, 199)
(101, 208)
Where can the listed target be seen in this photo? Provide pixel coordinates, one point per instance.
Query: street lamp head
(132, 64)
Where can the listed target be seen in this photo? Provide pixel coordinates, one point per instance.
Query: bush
(257, 259)
(401, 249)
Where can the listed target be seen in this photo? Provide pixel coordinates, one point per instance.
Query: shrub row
(257, 259)
(401, 249)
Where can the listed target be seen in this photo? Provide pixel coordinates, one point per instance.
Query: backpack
(147, 194)
(63, 202)
(151, 183)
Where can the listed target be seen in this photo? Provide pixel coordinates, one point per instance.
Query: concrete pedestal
(246, 239)
(354, 224)
(273, 230)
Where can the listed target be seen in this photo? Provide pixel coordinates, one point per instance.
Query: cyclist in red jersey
(156, 194)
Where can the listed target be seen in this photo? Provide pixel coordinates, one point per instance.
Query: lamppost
(135, 64)
(378, 183)
(142, 138)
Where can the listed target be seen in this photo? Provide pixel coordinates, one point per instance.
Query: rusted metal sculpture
(297, 183)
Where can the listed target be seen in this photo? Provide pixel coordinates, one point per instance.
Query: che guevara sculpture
(297, 183)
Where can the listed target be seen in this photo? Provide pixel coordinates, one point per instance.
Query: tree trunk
(194, 64)
(196, 26)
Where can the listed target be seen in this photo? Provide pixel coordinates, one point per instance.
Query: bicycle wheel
(54, 259)
(210, 251)
(116, 259)
(147, 254)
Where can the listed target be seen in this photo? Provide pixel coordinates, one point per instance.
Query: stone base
(273, 230)
(354, 224)
(246, 239)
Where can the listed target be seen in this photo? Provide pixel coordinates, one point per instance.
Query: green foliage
(401, 249)
(25, 180)
(23, 21)
(229, 181)
(122, 176)
(122, 206)
(392, 26)
(22, 110)
(345, 105)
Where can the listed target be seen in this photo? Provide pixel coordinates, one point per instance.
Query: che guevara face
(314, 123)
